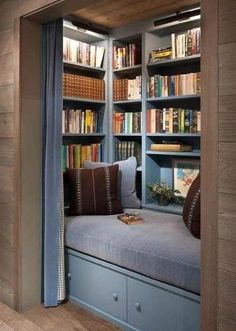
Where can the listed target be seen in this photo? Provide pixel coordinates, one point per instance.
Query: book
(127, 89)
(186, 43)
(125, 55)
(170, 147)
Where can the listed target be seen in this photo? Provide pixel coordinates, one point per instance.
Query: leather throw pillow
(191, 210)
(94, 191)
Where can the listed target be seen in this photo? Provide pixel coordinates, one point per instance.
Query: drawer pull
(138, 306)
(115, 296)
(69, 276)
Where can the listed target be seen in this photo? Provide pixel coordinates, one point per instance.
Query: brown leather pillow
(191, 211)
(94, 191)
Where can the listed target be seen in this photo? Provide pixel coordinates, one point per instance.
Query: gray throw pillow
(126, 180)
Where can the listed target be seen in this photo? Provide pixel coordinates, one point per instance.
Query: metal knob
(69, 276)
(138, 306)
(115, 296)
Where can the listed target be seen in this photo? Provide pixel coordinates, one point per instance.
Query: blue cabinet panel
(152, 308)
(97, 286)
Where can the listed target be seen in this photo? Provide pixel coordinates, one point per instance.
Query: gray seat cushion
(161, 248)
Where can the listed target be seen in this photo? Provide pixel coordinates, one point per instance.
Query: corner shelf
(83, 67)
(175, 98)
(129, 69)
(171, 208)
(127, 102)
(127, 134)
(175, 62)
(81, 100)
(192, 154)
(197, 135)
(83, 134)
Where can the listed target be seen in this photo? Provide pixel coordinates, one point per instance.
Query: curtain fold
(53, 213)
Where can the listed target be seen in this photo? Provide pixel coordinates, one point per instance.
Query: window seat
(162, 248)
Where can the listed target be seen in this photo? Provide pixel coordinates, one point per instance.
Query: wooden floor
(66, 317)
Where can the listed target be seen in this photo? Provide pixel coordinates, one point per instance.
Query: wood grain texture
(6, 42)
(226, 255)
(67, 317)
(7, 151)
(227, 22)
(227, 296)
(113, 14)
(6, 72)
(6, 125)
(7, 98)
(209, 165)
(226, 325)
(227, 69)
(227, 125)
(227, 217)
(15, 321)
(227, 169)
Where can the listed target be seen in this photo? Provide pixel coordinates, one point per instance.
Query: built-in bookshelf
(146, 90)
(84, 115)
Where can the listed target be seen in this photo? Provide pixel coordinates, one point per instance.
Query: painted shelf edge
(174, 135)
(81, 66)
(171, 208)
(175, 98)
(127, 101)
(84, 100)
(130, 68)
(193, 154)
(127, 134)
(83, 134)
(178, 61)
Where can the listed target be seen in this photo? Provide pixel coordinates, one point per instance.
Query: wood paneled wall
(227, 167)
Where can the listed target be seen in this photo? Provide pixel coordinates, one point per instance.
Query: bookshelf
(84, 117)
(124, 111)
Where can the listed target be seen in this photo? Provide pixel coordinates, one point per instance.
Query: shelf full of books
(173, 120)
(82, 121)
(127, 89)
(128, 148)
(74, 155)
(127, 122)
(126, 54)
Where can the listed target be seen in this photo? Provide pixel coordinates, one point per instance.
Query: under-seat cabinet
(130, 300)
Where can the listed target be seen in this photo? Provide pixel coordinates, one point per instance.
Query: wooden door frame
(209, 159)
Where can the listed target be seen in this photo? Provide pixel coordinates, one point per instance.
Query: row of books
(127, 122)
(83, 87)
(127, 55)
(80, 52)
(81, 121)
(127, 89)
(173, 120)
(126, 149)
(165, 86)
(186, 44)
(73, 156)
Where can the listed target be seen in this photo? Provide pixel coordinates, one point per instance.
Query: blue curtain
(53, 255)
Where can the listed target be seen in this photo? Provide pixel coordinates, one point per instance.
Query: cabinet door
(97, 286)
(154, 309)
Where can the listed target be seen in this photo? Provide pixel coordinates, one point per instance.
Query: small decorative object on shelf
(163, 193)
(130, 219)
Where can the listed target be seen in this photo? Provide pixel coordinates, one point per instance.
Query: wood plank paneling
(227, 22)
(7, 292)
(227, 169)
(7, 151)
(6, 187)
(227, 125)
(6, 125)
(6, 72)
(226, 326)
(227, 295)
(7, 262)
(6, 42)
(227, 217)
(7, 98)
(227, 69)
(113, 13)
(209, 165)
(226, 255)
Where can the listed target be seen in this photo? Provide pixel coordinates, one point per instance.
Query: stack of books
(127, 122)
(83, 87)
(175, 85)
(171, 147)
(80, 52)
(81, 121)
(73, 156)
(126, 149)
(173, 120)
(127, 89)
(127, 55)
(186, 44)
(160, 54)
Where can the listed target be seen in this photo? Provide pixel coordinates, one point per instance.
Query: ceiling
(115, 13)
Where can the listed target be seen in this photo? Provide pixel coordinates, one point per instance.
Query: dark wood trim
(209, 164)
